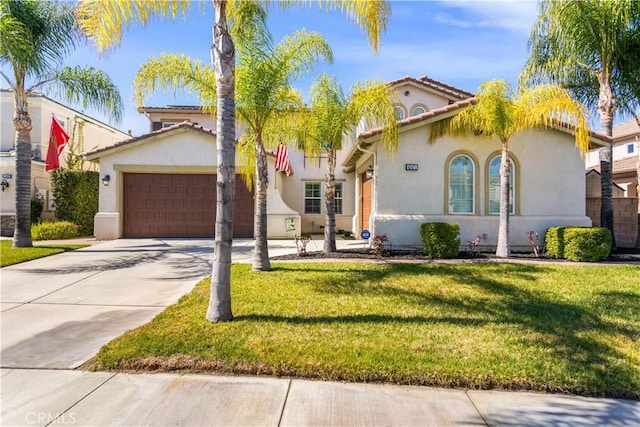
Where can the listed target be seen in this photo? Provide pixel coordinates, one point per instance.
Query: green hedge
(578, 243)
(554, 241)
(54, 230)
(441, 239)
(76, 194)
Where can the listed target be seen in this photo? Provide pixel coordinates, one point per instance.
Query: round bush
(54, 230)
(441, 239)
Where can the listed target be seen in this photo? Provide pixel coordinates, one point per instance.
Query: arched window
(494, 186)
(418, 110)
(461, 185)
(398, 112)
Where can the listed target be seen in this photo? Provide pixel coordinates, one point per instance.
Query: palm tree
(332, 116)
(103, 22)
(497, 112)
(573, 42)
(270, 108)
(36, 36)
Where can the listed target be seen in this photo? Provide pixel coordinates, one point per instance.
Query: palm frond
(299, 53)
(85, 86)
(371, 16)
(103, 22)
(35, 35)
(176, 72)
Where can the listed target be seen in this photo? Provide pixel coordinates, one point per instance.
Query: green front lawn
(543, 327)
(10, 256)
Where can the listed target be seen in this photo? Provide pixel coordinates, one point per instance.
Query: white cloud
(514, 15)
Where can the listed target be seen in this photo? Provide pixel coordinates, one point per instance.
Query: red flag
(282, 159)
(58, 138)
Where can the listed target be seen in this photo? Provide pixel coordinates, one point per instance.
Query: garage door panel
(179, 205)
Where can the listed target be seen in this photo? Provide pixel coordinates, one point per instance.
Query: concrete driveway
(58, 311)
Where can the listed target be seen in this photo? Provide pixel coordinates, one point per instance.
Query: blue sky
(459, 43)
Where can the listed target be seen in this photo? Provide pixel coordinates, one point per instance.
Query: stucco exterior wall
(410, 95)
(312, 170)
(549, 188)
(179, 151)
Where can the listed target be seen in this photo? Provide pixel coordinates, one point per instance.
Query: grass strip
(10, 256)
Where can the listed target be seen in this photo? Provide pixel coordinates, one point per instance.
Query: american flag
(282, 159)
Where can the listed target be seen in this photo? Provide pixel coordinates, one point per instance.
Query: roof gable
(148, 138)
(449, 92)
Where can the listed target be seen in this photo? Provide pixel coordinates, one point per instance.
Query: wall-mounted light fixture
(369, 172)
(106, 179)
(4, 184)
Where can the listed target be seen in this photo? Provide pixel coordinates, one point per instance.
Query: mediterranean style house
(162, 184)
(86, 133)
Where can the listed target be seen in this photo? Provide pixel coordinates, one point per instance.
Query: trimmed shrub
(441, 239)
(578, 243)
(54, 230)
(587, 244)
(76, 194)
(36, 211)
(554, 241)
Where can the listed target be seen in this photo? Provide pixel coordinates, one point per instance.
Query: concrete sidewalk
(44, 397)
(58, 311)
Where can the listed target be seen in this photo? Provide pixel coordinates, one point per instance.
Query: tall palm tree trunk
(330, 204)
(638, 183)
(22, 126)
(261, 252)
(503, 249)
(223, 56)
(606, 109)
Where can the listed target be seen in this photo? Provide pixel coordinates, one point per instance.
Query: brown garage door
(179, 205)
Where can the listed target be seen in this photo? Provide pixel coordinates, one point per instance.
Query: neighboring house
(163, 184)
(626, 155)
(86, 133)
(626, 158)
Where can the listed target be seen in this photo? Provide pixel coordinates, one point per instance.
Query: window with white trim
(494, 186)
(312, 198)
(461, 185)
(338, 198)
(631, 148)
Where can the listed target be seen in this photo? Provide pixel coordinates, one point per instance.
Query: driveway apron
(58, 311)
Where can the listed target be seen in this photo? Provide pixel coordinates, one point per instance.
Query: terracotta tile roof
(174, 108)
(422, 117)
(183, 125)
(430, 83)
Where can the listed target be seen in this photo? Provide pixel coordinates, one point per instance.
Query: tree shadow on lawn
(578, 337)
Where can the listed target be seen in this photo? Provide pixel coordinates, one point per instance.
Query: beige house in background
(626, 155)
(162, 184)
(86, 133)
(626, 158)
